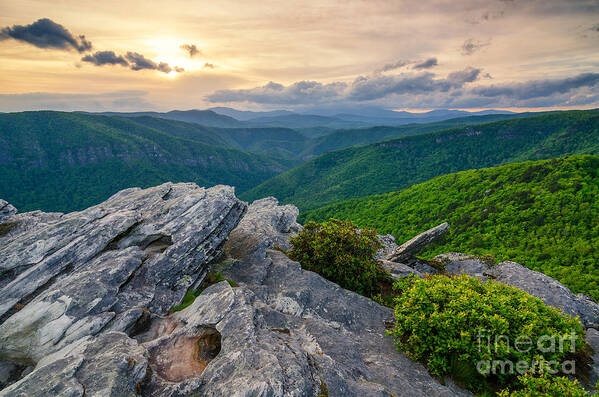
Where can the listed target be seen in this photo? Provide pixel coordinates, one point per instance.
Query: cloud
(191, 49)
(395, 65)
(380, 86)
(139, 62)
(471, 46)
(468, 75)
(209, 65)
(427, 64)
(45, 33)
(126, 100)
(100, 58)
(178, 69)
(538, 88)
(302, 92)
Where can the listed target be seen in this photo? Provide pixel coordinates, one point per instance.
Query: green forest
(542, 214)
(56, 161)
(396, 164)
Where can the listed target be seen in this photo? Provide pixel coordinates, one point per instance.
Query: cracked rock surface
(67, 278)
(86, 297)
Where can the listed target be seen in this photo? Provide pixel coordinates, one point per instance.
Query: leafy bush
(545, 385)
(453, 324)
(341, 253)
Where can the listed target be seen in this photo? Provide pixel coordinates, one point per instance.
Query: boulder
(457, 263)
(550, 291)
(265, 225)
(405, 253)
(592, 339)
(399, 270)
(6, 211)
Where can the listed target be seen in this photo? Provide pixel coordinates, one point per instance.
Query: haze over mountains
(330, 118)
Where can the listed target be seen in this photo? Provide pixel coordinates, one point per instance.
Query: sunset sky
(412, 54)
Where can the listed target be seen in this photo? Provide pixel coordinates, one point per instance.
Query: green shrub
(545, 385)
(454, 323)
(340, 252)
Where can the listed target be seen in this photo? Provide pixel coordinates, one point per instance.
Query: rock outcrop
(405, 253)
(68, 277)
(86, 297)
(6, 211)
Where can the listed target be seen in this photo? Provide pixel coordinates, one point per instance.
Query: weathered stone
(399, 270)
(6, 211)
(592, 339)
(405, 253)
(266, 224)
(456, 263)
(110, 365)
(550, 291)
(302, 331)
(85, 299)
(389, 246)
(74, 275)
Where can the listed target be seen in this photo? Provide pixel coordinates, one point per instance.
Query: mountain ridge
(395, 164)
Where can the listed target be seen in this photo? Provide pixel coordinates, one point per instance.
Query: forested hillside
(543, 214)
(352, 137)
(395, 164)
(66, 161)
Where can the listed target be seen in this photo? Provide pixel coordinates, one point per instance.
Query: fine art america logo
(547, 346)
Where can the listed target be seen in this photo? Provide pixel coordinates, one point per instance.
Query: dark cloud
(395, 65)
(411, 89)
(191, 49)
(471, 46)
(468, 75)
(539, 88)
(380, 86)
(178, 69)
(100, 58)
(427, 64)
(139, 62)
(209, 65)
(302, 92)
(45, 33)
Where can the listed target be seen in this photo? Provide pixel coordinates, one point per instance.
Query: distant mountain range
(333, 118)
(395, 164)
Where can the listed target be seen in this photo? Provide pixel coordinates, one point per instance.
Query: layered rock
(66, 277)
(86, 298)
(6, 211)
(405, 253)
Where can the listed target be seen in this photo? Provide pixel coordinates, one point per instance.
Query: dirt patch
(185, 356)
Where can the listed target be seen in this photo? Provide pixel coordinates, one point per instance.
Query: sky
(132, 55)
